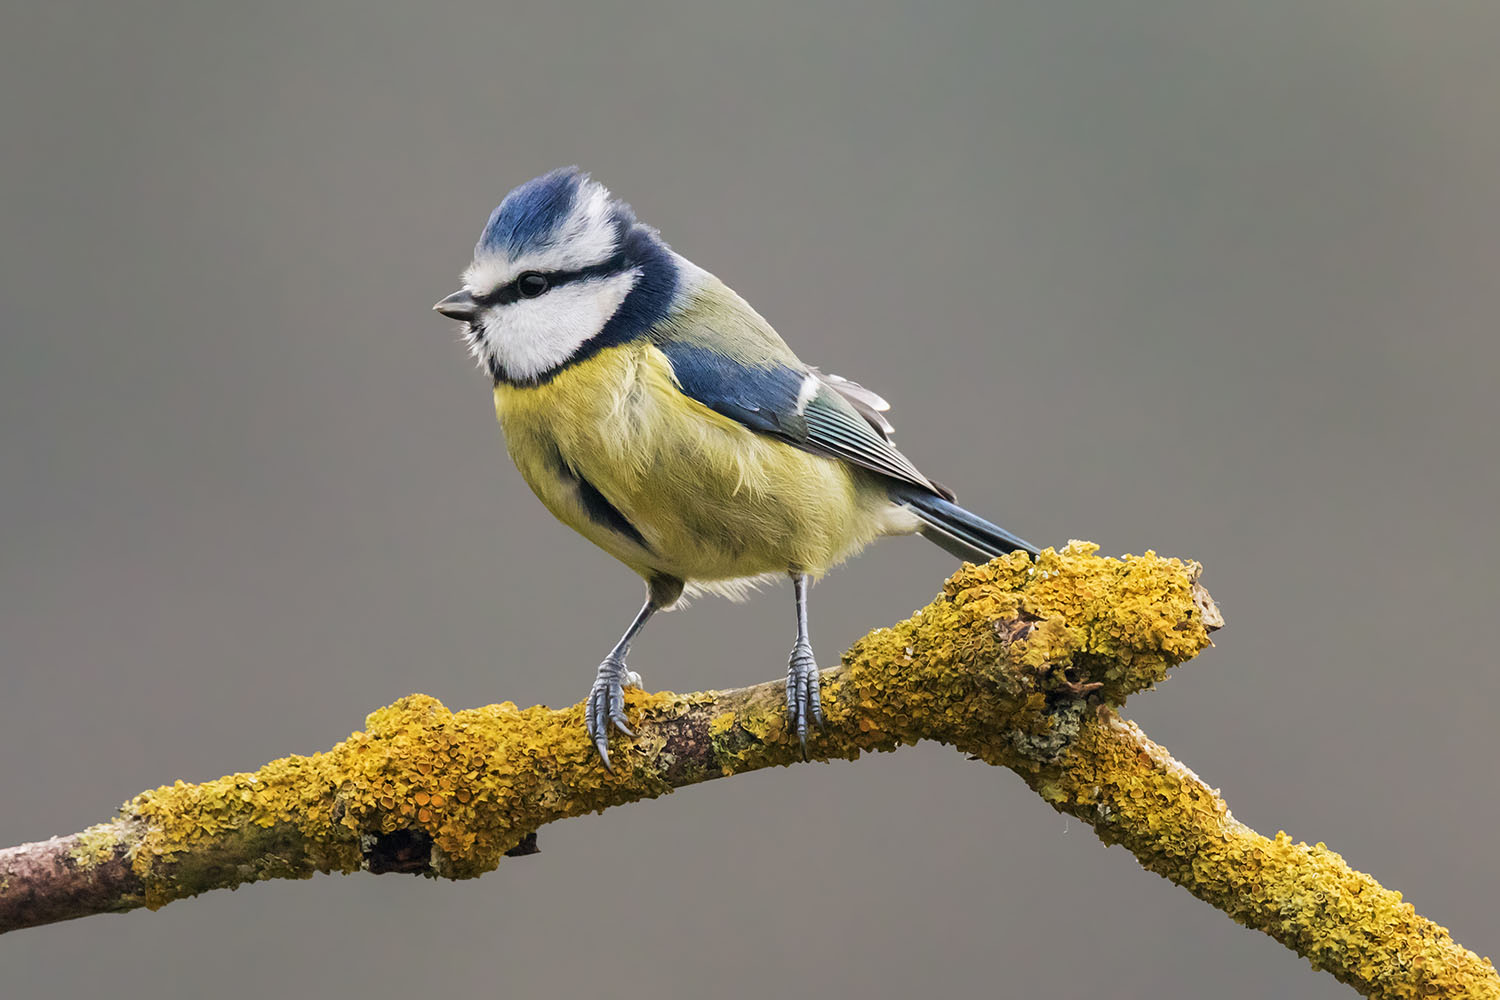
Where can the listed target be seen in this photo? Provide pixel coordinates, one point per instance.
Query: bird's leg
(803, 701)
(606, 702)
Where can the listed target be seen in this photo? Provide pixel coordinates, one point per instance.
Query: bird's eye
(531, 284)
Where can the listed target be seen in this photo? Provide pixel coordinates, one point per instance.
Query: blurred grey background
(1214, 280)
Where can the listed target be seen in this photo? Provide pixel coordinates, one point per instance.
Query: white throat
(530, 337)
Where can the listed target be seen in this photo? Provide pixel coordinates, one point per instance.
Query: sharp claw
(606, 707)
(617, 711)
(803, 695)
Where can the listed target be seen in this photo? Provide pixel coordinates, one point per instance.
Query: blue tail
(966, 535)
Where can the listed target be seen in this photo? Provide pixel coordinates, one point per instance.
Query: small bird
(653, 411)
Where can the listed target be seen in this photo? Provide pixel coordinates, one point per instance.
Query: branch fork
(1017, 663)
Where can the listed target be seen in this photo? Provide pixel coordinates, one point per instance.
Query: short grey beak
(460, 306)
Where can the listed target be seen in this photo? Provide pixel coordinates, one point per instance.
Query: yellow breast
(709, 498)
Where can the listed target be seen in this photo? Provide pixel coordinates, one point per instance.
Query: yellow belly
(712, 500)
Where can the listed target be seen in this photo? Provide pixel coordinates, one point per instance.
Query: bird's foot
(606, 704)
(803, 699)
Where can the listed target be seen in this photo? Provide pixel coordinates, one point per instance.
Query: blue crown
(529, 215)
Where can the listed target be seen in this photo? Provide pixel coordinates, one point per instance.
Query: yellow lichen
(1038, 633)
(1009, 663)
(1342, 920)
(1014, 662)
(98, 844)
(477, 781)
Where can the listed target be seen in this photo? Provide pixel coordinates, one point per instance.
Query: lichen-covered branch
(1017, 663)
(1135, 794)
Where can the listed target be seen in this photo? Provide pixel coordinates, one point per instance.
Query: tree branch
(1014, 663)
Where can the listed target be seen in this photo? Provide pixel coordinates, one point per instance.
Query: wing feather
(839, 419)
(866, 403)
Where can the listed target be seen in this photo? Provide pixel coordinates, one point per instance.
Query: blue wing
(820, 413)
(763, 397)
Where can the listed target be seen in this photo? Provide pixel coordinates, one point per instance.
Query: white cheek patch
(584, 238)
(533, 336)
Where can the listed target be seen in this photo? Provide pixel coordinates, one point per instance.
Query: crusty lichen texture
(1343, 921)
(1017, 662)
(992, 665)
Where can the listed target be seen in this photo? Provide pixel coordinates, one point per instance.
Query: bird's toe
(803, 696)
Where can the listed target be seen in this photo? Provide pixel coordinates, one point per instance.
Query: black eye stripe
(511, 291)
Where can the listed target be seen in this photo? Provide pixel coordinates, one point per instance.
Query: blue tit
(654, 412)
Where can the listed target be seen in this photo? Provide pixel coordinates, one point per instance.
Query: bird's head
(561, 270)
